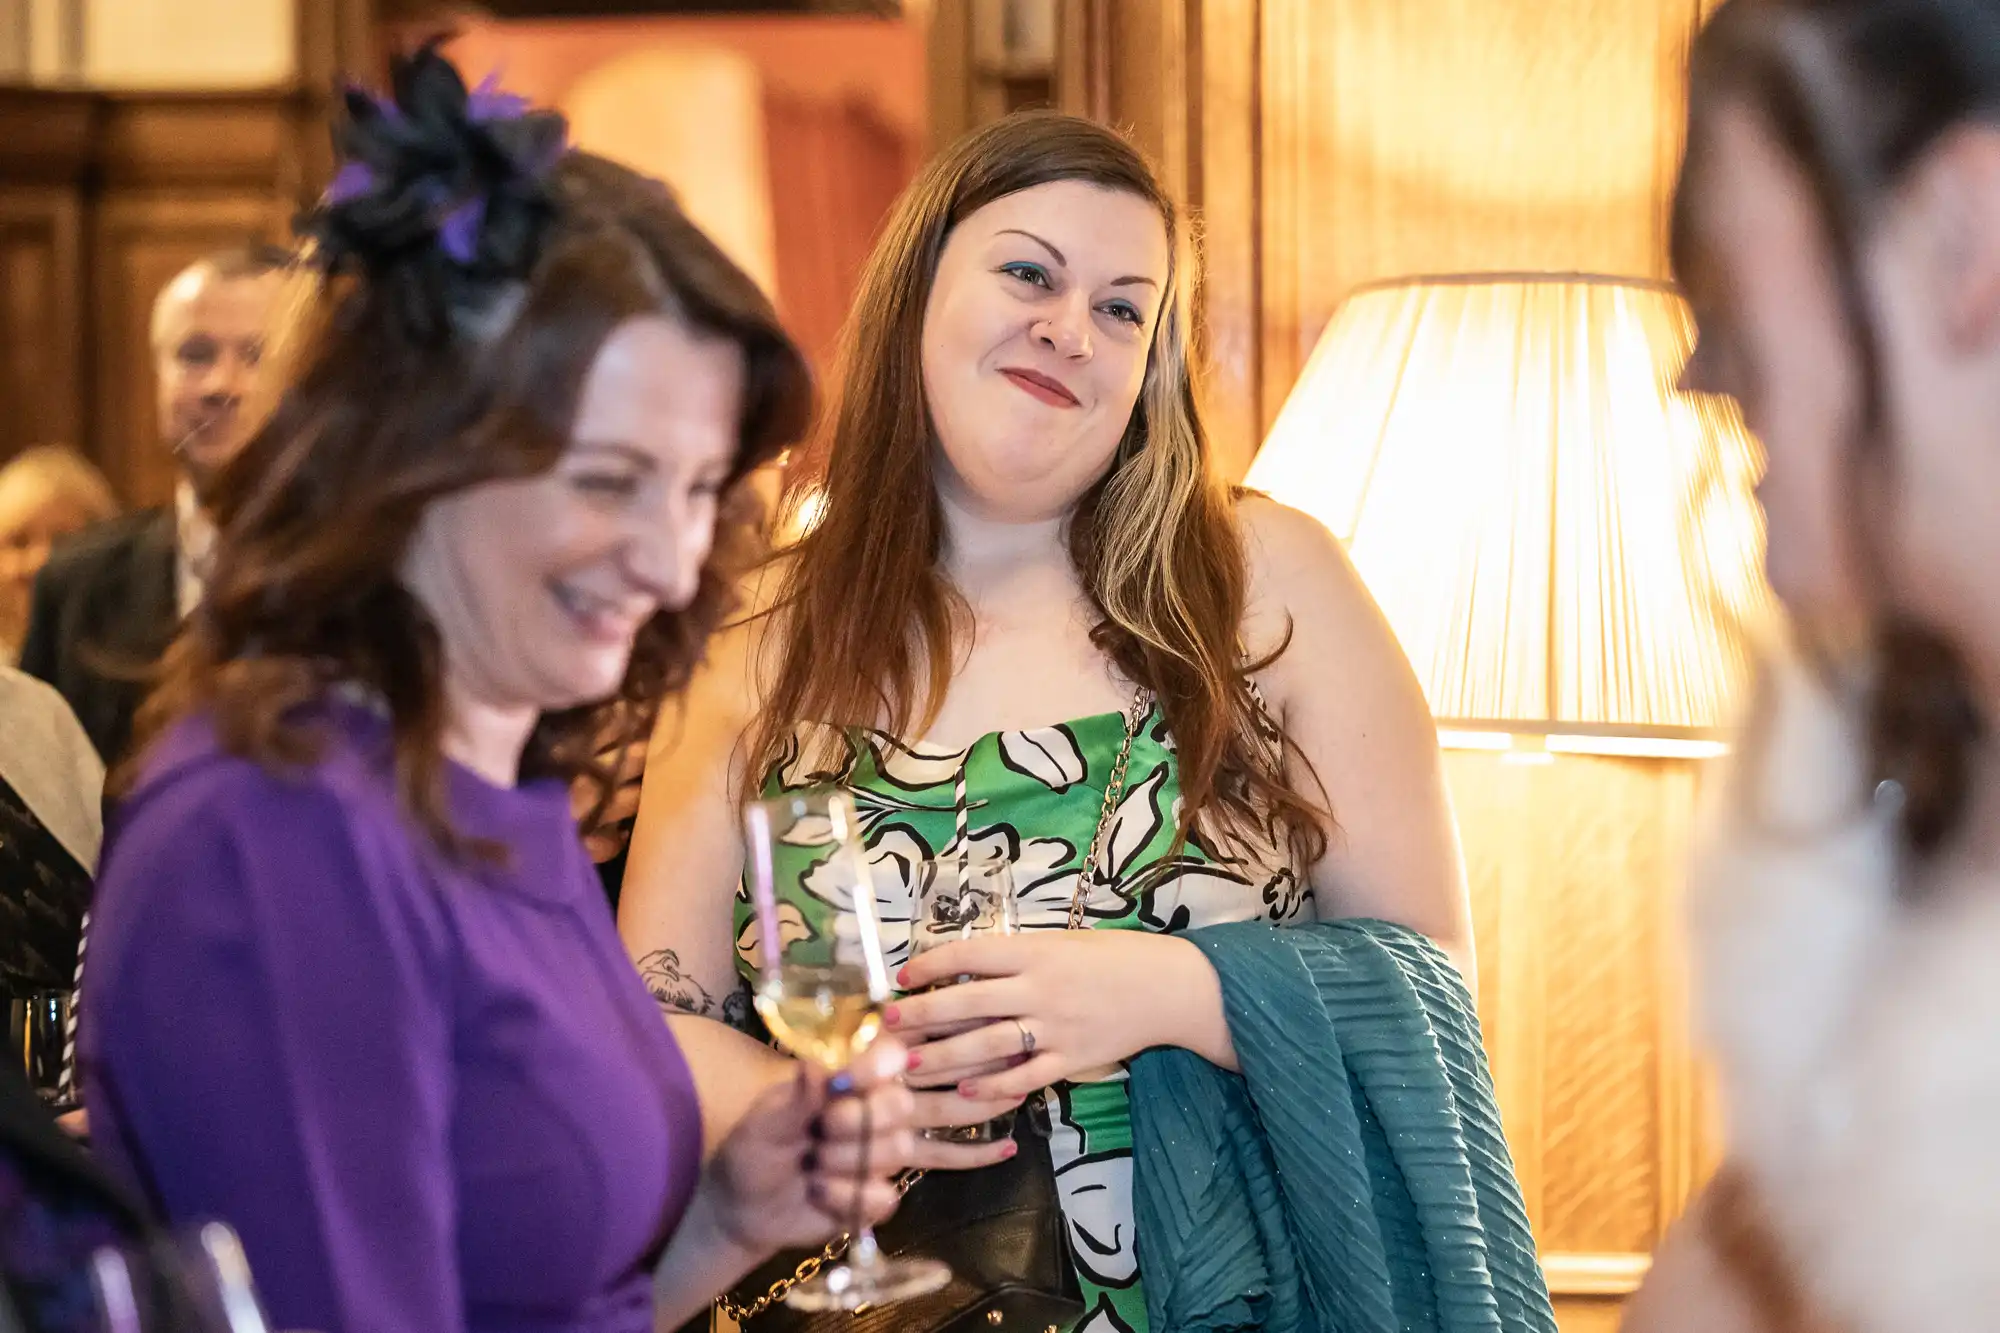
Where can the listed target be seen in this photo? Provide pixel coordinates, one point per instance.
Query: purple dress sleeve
(282, 1055)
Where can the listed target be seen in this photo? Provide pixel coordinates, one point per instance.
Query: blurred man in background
(107, 603)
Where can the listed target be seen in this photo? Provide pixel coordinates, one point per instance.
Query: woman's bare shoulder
(1303, 590)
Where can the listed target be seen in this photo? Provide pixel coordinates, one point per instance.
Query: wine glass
(192, 1281)
(37, 1027)
(821, 996)
(957, 896)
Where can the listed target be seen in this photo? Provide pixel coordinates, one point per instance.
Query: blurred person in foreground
(1837, 228)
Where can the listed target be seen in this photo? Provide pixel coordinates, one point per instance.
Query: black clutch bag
(1001, 1231)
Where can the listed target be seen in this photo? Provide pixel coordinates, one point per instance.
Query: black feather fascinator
(443, 194)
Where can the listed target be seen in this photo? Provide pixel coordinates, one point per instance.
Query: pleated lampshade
(1566, 545)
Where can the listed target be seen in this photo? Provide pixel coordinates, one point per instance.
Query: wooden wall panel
(1438, 136)
(1587, 1314)
(41, 338)
(1225, 177)
(838, 168)
(974, 77)
(44, 166)
(1184, 78)
(103, 198)
(1576, 871)
(1326, 143)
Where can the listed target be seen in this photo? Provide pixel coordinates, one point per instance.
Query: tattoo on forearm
(674, 990)
(678, 993)
(737, 1010)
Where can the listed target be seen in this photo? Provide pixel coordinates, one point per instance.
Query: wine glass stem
(864, 1251)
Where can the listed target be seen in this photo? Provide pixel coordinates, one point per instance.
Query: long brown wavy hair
(377, 416)
(870, 624)
(1856, 92)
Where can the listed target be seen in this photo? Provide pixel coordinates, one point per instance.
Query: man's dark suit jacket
(104, 609)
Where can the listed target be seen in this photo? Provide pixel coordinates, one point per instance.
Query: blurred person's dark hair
(1856, 93)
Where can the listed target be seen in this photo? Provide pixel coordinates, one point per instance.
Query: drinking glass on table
(37, 1030)
(821, 996)
(956, 897)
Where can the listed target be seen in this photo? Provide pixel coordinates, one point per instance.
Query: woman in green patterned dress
(1032, 618)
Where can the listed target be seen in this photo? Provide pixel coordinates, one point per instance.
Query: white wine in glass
(823, 1015)
(821, 995)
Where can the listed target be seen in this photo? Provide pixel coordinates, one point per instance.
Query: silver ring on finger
(1027, 1037)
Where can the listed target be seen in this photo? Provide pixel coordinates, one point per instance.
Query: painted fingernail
(915, 1060)
(892, 1016)
(968, 1090)
(1008, 1149)
(841, 1084)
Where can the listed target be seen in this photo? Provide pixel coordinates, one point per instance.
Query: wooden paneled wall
(1326, 143)
(103, 198)
(1576, 869)
(45, 170)
(105, 195)
(836, 171)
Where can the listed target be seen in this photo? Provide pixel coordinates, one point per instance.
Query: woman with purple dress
(353, 988)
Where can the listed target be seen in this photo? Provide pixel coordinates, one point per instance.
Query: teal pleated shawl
(1354, 1177)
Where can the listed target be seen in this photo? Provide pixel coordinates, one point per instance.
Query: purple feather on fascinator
(383, 105)
(353, 180)
(458, 233)
(443, 192)
(489, 102)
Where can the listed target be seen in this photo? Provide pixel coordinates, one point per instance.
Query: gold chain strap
(810, 1266)
(1113, 790)
(807, 1270)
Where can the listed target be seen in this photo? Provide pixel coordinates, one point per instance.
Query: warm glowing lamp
(1564, 543)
